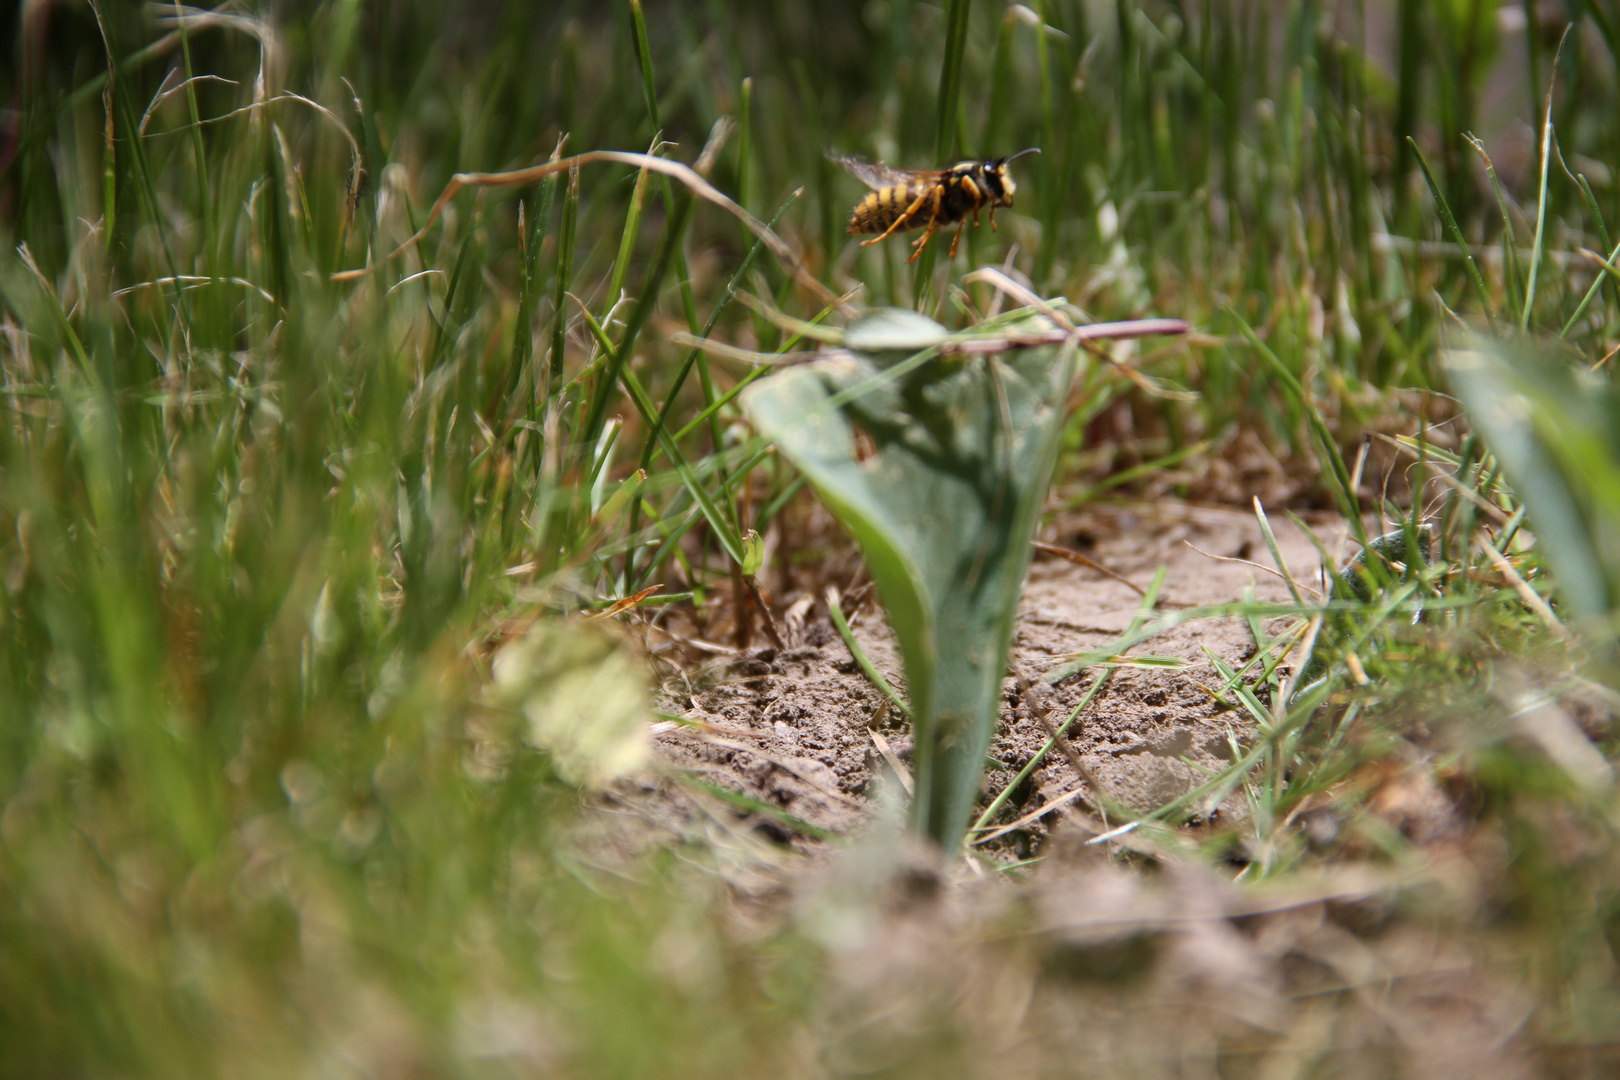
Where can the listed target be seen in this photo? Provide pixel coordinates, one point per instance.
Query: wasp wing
(876, 175)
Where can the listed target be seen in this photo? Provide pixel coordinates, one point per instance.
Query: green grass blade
(1591, 293)
(1343, 485)
(873, 675)
(627, 241)
(674, 232)
(737, 279)
(745, 144)
(1510, 248)
(1150, 600)
(957, 13)
(523, 330)
(204, 188)
(1540, 240)
(638, 37)
(1045, 162)
(750, 805)
(1451, 227)
(725, 530)
(1602, 230)
(1276, 552)
(563, 276)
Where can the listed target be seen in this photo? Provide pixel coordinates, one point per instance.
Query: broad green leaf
(943, 506)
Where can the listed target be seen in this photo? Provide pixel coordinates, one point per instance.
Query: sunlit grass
(261, 530)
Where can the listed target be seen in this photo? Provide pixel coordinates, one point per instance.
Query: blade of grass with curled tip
(1510, 249)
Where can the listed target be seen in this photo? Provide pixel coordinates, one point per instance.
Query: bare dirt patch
(1133, 960)
(802, 729)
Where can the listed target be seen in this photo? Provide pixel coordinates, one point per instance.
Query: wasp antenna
(1021, 153)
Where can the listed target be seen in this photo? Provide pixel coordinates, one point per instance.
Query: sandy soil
(801, 728)
(1097, 962)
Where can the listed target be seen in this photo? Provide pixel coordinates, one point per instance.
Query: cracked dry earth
(802, 729)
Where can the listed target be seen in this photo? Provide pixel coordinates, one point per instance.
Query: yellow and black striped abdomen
(883, 207)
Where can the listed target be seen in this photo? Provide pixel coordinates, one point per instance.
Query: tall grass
(261, 529)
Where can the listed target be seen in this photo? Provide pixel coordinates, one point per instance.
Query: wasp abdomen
(883, 207)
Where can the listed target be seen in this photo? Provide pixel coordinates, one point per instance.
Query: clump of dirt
(803, 730)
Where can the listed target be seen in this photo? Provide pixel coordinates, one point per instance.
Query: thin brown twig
(770, 620)
(1273, 571)
(1038, 709)
(1606, 358)
(684, 173)
(1031, 817)
(901, 773)
(1091, 564)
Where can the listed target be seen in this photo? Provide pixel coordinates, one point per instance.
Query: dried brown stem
(684, 173)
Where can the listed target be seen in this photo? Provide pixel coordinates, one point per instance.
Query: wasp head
(1002, 185)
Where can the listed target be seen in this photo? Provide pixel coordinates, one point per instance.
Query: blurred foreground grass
(260, 531)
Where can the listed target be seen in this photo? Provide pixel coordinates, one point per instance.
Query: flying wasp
(928, 198)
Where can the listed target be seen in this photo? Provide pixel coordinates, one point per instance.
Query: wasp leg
(957, 239)
(992, 219)
(923, 242)
(900, 221)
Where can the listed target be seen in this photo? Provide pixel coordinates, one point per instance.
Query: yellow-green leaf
(583, 695)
